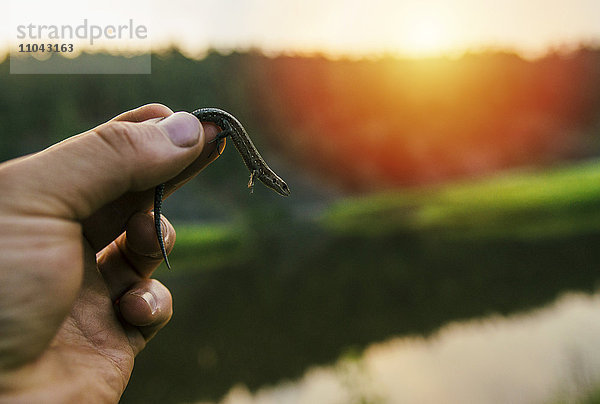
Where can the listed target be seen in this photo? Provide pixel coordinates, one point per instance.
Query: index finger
(144, 113)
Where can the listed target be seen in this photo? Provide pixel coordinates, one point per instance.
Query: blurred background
(441, 240)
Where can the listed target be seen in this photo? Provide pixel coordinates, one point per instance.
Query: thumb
(79, 175)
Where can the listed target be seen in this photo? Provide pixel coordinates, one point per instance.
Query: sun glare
(423, 37)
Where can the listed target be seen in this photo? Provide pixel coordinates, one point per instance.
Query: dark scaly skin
(159, 191)
(257, 166)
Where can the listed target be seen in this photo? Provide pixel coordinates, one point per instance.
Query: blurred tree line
(347, 125)
(378, 124)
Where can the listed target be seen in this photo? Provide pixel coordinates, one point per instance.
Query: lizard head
(273, 181)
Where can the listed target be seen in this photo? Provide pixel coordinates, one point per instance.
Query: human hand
(78, 248)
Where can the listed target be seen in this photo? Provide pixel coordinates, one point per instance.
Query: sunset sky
(407, 28)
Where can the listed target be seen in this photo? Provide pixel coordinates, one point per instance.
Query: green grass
(217, 245)
(518, 204)
(523, 204)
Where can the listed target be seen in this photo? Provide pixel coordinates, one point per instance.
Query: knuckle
(119, 137)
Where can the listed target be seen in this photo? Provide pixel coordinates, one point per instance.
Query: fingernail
(183, 128)
(149, 299)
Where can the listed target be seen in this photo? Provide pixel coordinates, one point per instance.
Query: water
(544, 355)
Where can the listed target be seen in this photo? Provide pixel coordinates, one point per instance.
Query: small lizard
(232, 128)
